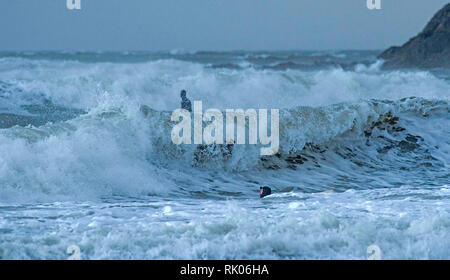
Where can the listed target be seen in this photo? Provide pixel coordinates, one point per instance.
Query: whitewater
(363, 157)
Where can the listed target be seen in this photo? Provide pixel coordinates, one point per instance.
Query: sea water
(363, 157)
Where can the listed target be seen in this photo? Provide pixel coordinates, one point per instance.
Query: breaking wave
(76, 129)
(363, 158)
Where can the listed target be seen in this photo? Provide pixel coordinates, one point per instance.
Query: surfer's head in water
(264, 191)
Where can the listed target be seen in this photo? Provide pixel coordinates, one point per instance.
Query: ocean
(363, 159)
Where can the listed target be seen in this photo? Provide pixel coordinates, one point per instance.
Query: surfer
(264, 191)
(185, 102)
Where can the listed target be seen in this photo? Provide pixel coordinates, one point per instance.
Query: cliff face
(429, 49)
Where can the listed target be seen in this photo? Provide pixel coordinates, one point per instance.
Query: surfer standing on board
(185, 104)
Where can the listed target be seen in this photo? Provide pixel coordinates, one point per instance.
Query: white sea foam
(110, 180)
(157, 84)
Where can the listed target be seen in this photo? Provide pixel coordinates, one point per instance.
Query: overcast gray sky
(210, 24)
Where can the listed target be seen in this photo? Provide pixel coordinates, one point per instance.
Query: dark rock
(429, 49)
(274, 167)
(385, 149)
(292, 166)
(406, 146)
(411, 138)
